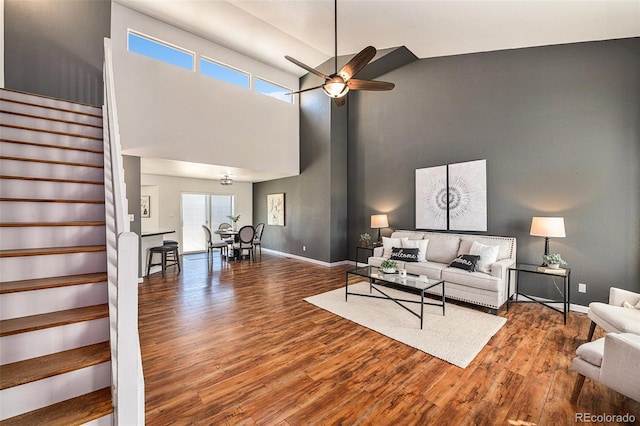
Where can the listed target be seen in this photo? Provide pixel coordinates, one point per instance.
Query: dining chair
(225, 225)
(245, 241)
(257, 240)
(221, 244)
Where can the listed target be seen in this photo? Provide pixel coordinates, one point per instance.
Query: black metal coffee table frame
(411, 284)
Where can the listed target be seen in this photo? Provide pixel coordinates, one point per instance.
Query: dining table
(226, 233)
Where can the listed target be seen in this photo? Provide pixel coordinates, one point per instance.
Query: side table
(565, 274)
(368, 249)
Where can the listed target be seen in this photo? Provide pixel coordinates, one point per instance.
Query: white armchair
(613, 317)
(612, 361)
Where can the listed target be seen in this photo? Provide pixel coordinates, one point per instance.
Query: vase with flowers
(234, 219)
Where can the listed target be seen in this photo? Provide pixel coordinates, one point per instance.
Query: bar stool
(171, 250)
(171, 256)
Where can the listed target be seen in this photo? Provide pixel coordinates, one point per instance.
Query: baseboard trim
(308, 259)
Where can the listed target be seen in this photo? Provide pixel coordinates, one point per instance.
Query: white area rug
(456, 337)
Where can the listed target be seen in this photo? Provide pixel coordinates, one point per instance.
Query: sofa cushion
(405, 254)
(432, 270)
(388, 243)
(442, 248)
(466, 262)
(488, 256)
(419, 244)
(623, 319)
(473, 279)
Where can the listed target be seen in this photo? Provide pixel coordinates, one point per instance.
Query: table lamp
(547, 227)
(379, 221)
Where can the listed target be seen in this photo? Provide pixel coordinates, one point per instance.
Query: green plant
(388, 264)
(365, 237)
(234, 218)
(548, 259)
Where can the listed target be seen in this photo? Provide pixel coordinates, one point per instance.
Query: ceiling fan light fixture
(335, 89)
(226, 181)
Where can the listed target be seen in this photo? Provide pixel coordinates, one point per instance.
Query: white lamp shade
(547, 227)
(379, 221)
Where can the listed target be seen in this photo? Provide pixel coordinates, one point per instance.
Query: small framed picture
(275, 209)
(145, 206)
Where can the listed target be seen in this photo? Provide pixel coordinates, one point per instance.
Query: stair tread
(50, 200)
(48, 224)
(43, 179)
(48, 145)
(31, 370)
(75, 411)
(63, 163)
(37, 95)
(52, 282)
(53, 132)
(58, 120)
(52, 319)
(44, 251)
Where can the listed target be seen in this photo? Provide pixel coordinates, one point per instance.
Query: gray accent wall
(55, 48)
(559, 127)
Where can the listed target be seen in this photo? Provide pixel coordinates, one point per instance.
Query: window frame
(249, 76)
(286, 89)
(156, 40)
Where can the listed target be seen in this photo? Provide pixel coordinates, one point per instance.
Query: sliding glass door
(202, 209)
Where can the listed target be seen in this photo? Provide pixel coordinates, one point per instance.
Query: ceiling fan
(341, 81)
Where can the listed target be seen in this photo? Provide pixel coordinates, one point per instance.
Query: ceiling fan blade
(357, 62)
(304, 90)
(306, 67)
(340, 101)
(355, 84)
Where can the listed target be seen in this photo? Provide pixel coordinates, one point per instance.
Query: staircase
(55, 356)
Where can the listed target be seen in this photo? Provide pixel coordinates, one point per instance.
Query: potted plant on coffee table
(389, 266)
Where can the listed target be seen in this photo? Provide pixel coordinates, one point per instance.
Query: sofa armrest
(499, 268)
(378, 251)
(618, 295)
(620, 368)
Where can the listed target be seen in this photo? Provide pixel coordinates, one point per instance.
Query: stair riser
(35, 302)
(19, 347)
(52, 154)
(49, 138)
(31, 396)
(49, 113)
(56, 103)
(55, 171)
(31, 267)
(49, 212)
(44, 124)
(51, 236)
(14, 188)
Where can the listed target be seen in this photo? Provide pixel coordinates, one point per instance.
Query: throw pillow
(466, 262)
(629, 305)
(419, 244)
(405, 254)
(488, 255)
(389, 243)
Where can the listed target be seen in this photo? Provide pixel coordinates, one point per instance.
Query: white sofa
(481, 288)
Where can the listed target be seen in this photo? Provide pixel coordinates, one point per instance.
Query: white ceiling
(267, 30)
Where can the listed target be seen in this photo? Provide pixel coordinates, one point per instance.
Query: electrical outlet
(582, 288)
(131, 218)
(304, 248)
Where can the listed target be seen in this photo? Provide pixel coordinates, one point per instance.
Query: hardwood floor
(234, 343)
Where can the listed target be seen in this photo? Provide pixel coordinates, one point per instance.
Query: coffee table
(413, 284)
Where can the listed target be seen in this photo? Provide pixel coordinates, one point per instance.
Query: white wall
(172, 113)
(168, 190)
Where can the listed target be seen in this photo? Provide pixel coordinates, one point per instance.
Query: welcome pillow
(488, 255)
(405, 254)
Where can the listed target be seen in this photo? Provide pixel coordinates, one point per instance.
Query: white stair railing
(127, 383)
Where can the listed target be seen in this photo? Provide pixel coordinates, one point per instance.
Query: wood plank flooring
(228, 343)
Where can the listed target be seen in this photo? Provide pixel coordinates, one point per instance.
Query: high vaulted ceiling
(267, 30)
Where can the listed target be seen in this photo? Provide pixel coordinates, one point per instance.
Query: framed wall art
(275, 209)
(452, 197)
(145, 206)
